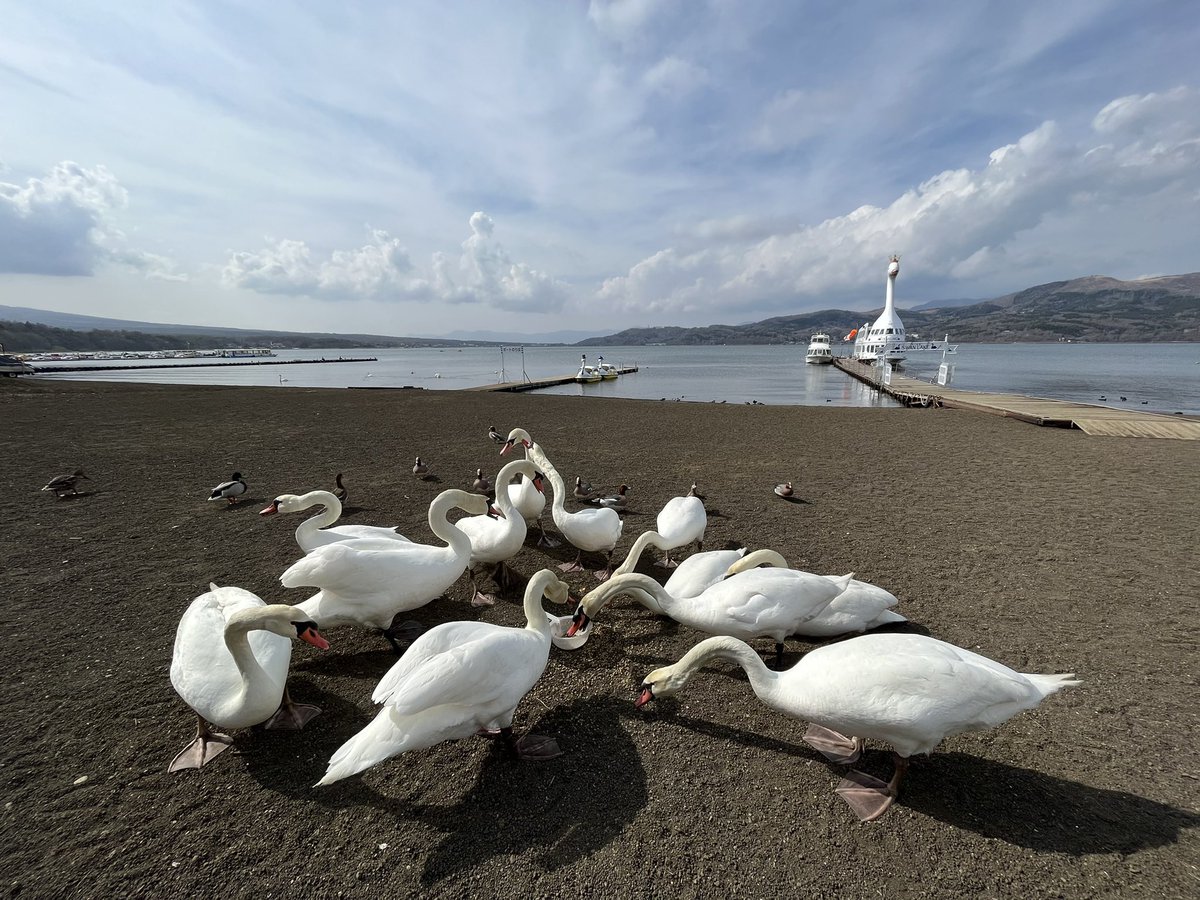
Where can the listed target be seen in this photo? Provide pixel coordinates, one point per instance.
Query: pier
(54, 370)
(1088, 418)
(516, 387)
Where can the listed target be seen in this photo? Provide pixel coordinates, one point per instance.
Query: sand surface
(1047, 550)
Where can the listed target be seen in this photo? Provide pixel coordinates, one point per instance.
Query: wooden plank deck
(1086, 417)
(520, 386)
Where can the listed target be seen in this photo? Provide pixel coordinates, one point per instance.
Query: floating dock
(516, 387)
(1086, 417)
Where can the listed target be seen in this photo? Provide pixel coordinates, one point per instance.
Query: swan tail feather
(1050, 684)
(381, 739)
(887, 617)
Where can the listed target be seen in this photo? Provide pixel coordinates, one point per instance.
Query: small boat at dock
(820, 352)
(587, 374)
(607, 370)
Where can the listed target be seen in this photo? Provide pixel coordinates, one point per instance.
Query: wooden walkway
(520, 386)
(1059, 413)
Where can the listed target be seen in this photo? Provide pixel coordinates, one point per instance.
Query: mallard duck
(66, 485)
(230, 490)
(617, 500)
(497, 437)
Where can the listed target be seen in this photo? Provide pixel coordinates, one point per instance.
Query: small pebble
(81, 779)
(383, 846)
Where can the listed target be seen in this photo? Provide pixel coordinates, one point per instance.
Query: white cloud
(675, 77)
(63, 224)
(623, 20)
(382, 270)
(959, 224)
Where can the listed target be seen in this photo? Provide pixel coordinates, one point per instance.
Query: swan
(66, 485)
(693, 575)
(906, 690)
(230, 666)
(589, 529)
(367, 582)
(858, 608)
(229, 490)
(455, 680)
(312, 532)
(494, 540)
(759, 603)
(681, 521)
(529, 500)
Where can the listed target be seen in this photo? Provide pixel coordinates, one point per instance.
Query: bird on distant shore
(496, 436)
(66, 485)
(230, 490)
(340, 491)
(784, 490)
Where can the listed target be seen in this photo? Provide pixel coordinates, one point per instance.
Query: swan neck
(642, 588)
(535, 612)
(504, 477)
(559, 502)
(236, 631)
(643, 541)
(330, 514)
(762, 679)
(440, 524)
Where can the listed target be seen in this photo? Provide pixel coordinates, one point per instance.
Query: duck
(230, 490)
(230, 665)
(66, 485)
(481, 485)
(784, 490)
(497, 539)
(617, 500)
(860, 607)
(593, 530)
(339, 490)
(313, 532)
(908, 691)
(497, 437)
(754, 604)
(456, 680)
(583, 492)
(692, 576)
(421, 470)
(680, 522)
(529, 500)
(367, 582)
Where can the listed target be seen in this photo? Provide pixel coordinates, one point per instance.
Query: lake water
(1152, 377)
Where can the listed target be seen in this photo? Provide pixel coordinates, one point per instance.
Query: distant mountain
(945, 304)
(516, 337)
(1093, 308)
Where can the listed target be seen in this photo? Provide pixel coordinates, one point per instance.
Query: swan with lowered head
(367, 582)
(905, 690)
(682, 521)
(860, 607)
(456, 680)
(313, 532)
(693, 575)
(593, 530)
(494, 540)
(230, 665)
(754, 604)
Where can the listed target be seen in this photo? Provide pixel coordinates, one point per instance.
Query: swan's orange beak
(312, 636)
(539, 483)
(579, 621)
(270, 510)
(508, 445)
(644, 697)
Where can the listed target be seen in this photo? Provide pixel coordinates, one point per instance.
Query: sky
(426, 168)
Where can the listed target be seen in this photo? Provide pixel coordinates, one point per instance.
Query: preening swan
(367, 582)
(495, 540)
(905, 690)
(680, 522)
(230, 666)
(758, 603)
(312, 532)
(229, 490)
(456, 680)
(858, 608)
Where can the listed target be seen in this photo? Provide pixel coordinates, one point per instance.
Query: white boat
(885, 338)
(820, 353)
(12, 366)
(587, 374)
(607, 370)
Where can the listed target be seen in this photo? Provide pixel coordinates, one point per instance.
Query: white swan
(494, 540)
(681, 521)
(529, 500)
(455, 680)
(693, 575)
(312, 532)
(230, 665)
(858, 608)
(758, 603)
(367, 582)
(906, 690)
(593, 530)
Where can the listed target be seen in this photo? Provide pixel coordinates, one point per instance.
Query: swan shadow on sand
(1019, 806)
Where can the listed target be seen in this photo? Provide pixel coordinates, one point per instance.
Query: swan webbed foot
(548, 542)
(292, 717)
(536, 748)
(603, 575)
(869, 797)
(200, 751)
(834, 746)
(667, 563)
(570, 567)
(482, 599)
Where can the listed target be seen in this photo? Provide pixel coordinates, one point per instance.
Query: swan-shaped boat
(367, 582)
(229, 490)
(861, 606)
(754, 604)
(313, 532)
(454, 681)
(905, 690)
(495, 540)
(230, 665)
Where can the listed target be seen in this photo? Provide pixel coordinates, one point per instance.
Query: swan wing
(352, 567)
(700, 571)
(682, 520)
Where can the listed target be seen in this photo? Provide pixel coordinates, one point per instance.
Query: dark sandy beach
(1047, 550)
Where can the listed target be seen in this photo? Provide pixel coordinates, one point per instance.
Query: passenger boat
(885, 339)
(587, 374)
(820, 353)
(11, 366)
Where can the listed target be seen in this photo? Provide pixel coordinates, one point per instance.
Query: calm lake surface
(1151, 377)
